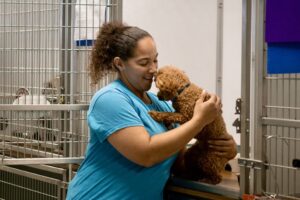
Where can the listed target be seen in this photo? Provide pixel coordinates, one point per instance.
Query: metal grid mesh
(22, 184)
(283, 135)
(45, 47)
(30, 35)
(44, 134)
(270, 116)
(45, 91)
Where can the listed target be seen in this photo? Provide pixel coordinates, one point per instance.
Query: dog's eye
(160, 82)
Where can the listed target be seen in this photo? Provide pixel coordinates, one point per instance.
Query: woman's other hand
(224, 146)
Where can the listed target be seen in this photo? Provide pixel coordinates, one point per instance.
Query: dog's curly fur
(199, 162)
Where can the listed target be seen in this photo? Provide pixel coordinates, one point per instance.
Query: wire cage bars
(270, 117)
(45, 91)
(282, 134)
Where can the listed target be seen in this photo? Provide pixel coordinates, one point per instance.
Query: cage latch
(251, 163)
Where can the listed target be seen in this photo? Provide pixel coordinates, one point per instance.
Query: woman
(129, 155)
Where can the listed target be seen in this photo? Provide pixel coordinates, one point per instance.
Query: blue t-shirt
(105, 173)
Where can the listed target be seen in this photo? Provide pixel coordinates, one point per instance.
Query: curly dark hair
(115, 39)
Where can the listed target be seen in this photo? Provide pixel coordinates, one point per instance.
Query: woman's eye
(143, 64)
(148, 63)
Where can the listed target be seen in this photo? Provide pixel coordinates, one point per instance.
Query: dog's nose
(159, 96)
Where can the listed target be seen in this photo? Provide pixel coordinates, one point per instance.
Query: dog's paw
(154, 115)
(212, 180)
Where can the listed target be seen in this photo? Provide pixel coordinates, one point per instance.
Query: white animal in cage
(30, 124)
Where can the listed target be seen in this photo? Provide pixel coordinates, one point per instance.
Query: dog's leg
(168, 117)
(211, 179)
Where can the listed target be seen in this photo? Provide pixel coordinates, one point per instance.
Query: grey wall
(186, 35)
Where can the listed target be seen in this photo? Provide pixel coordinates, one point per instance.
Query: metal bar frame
(245, 93)
(219, 48)
(271, 110)
(281, 122)
(258, 96)
(51, 107)
(41, 161)
(253, 98)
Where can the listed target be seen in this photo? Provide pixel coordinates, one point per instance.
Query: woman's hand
(224, 146)
(207, 111)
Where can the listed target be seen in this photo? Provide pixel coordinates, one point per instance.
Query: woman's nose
(154, 72)
(153, 68)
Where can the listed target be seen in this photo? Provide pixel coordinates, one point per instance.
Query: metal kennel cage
(270, 116)
(45, 91)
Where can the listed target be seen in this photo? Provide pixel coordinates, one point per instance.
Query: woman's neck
(140, 94)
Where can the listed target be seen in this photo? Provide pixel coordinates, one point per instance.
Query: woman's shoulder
(113, 88)
(111, 93)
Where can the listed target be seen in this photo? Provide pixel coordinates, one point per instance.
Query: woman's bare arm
(138, 146)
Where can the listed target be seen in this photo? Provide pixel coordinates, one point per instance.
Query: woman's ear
(118, 63)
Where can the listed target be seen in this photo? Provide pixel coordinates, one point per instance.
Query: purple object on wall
(283, 21)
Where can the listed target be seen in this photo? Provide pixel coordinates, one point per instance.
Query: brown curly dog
(199, 163)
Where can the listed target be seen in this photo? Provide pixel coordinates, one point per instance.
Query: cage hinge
(237, 121)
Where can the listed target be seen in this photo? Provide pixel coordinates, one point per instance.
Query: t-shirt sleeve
(111, 112)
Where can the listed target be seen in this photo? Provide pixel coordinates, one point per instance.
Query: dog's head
(169, 80)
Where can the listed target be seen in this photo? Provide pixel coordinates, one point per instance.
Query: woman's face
(139, 70)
